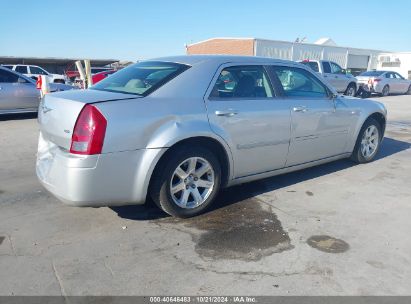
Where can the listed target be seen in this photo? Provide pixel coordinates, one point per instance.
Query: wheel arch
(378, 116)
(220, 150)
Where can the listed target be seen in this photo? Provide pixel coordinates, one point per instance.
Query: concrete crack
(108, 268)
(62, 291)
(12, 245)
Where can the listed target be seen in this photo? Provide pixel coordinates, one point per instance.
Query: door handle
(226, 113)
(300, 109)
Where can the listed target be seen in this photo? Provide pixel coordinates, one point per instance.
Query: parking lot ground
(336, 229)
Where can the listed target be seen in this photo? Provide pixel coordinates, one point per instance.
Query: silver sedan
(178, 129)
(384, 82)
(18, 93)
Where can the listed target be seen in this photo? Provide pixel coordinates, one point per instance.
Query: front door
(243, 110)
(319, 125)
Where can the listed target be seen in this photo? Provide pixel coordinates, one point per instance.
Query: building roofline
(290, 42)
(220, 38)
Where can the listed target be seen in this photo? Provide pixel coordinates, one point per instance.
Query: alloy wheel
(192, 182)
(369, 141)
(351, 91)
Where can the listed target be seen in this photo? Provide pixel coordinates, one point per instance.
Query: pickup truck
(34, 71)
(336, 76)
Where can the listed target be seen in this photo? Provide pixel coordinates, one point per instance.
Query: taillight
(89, 132)
(377, 79)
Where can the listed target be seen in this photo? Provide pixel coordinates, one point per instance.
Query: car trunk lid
(58, 112)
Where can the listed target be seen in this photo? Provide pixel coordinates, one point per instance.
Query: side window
(390, 75)
(7, 77)
(300, 83)
(312, 64)
(335, 68)
(242, 82)
(399, 76)
(36, 70)
(326, 67)
(21, 69)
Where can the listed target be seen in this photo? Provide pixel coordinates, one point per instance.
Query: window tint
(141, 78)
(8, 77)
(8, 66)
(36, 70)
(300, 83)
(326, 67)
(312, 64)
(242, 82)
(335, 68)
(21, 69)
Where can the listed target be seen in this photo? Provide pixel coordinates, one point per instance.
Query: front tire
(186, 182)
(409, 91)
(351, 90)
(368, 142)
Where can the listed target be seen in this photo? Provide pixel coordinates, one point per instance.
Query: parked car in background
(180, 128)
(384, 82)
(34, 71)
(73, 75)
(336, 76)
(101, 75)
(18, 93)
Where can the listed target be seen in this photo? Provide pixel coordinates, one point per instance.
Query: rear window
(21, 69)
(142, 78)
(312, 64)
(372, 73)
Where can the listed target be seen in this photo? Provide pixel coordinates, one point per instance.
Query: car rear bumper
(110, 179)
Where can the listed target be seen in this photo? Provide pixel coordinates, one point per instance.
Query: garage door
(357, 61)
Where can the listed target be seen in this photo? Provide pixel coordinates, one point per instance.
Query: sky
(133, 30)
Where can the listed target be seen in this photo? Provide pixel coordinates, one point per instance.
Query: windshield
(141, 78)
(372, 73)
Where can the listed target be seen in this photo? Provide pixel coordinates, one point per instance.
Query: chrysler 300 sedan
(178, 129)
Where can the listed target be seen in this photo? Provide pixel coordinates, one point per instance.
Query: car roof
(196, 59)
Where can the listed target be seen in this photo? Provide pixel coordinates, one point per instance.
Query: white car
(34, 71)
(384, 82)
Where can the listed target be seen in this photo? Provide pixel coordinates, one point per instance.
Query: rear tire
(385, 91)
(186, 182)
(351, 90)
(368, 142)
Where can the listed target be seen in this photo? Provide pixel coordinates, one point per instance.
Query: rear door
(243, 110)
(319, 125)
(392, 82)
(17, 93)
